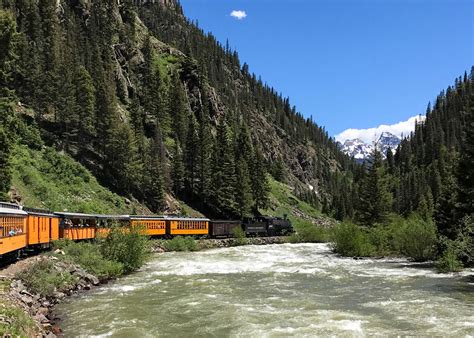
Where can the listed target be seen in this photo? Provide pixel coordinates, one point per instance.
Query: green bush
(416, 238)
(43, 278)
(180, 243)
(239, 236)
(309, 233)
(129, 247)
(381, 238)
(349, 239)
(449, 261)
(89, 257)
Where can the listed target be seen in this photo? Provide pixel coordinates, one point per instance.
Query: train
(23, 228)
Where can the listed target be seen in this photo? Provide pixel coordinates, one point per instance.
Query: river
(274, 290)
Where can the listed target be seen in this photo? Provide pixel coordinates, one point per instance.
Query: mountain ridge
(361, 151)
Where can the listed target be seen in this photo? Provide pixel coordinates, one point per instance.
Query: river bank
(27, 312)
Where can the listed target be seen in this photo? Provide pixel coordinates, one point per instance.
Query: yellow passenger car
(153, 225)
(12, 228)
(77, 226)
(188, 226)
(42, 227)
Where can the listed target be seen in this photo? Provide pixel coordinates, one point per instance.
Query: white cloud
(238, 14)
(371, 134)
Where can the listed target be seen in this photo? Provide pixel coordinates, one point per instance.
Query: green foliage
(239, 236)
(309, 233)
(89, 256)
(375, 198)
(15, 322)
(128, 247)
(416, 238)
(449, 261)
(44, 278)
(180, 243)
(349, 239)
(53, 180)
(5, 171)
(223, 176)
(282, 201)
(260, 186)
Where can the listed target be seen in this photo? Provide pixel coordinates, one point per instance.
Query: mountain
(361, 150)
(154, 108)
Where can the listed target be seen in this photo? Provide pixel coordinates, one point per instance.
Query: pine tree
(205, 149)
(375, 198)
(5, 170)
(7, 97)
(178, 110)
(191, 158)
(243, 189)
(260, 185)
(426, 206)
(7, 40)
(223, 173)
(445, 214)
(177, 172)
(465, 170)
(85, 103)
(155, 188)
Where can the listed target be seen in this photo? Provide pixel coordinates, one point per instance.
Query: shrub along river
(275, 290)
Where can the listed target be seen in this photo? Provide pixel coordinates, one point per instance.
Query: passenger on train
(12, 232)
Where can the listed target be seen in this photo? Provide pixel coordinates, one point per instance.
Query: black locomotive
(258, 226)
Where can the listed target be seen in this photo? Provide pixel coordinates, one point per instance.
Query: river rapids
(275, 291)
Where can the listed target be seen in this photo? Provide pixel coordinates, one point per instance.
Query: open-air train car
(13, 230)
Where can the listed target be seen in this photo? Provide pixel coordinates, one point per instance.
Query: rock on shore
(36, 306)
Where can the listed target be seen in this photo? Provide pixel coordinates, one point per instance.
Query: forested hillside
(431, 176)
(152, 105)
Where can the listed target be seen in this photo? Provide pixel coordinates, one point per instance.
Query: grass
(48, 179)
(14, 322)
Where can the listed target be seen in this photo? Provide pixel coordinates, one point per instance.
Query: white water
(275, 290)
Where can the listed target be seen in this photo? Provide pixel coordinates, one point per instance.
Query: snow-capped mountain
(361, 150)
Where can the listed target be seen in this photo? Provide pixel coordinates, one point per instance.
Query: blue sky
(348, 63)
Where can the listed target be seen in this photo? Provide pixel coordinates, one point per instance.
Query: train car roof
(147, 217)
(89, 216)
(187, 218)
(165, 217)
(39, 212)
(12, 211)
